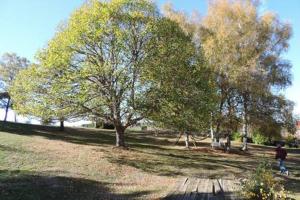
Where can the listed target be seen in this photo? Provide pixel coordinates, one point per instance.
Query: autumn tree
(10, 65)
(245, 49)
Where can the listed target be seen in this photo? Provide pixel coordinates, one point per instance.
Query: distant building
(298, 129)
(298, 124)
(284, 132)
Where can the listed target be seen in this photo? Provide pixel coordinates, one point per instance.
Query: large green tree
(10, 65)
(185, 89)
(101, 58)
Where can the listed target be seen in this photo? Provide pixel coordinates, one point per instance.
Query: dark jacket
(280, 153)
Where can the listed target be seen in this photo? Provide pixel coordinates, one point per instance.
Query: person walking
(281, 156)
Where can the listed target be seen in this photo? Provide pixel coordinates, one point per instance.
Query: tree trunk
(228, 143)
(6, 110)
(62, 126)
(180, 134)
(217, 133)
(245, 136)
(15, 117)
(120, 137)
(187, 145)
(99, 123)
(211, 128)
(245, 125)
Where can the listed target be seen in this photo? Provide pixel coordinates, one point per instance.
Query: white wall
(22, 119)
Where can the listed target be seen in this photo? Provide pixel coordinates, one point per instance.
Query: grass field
(39, 162)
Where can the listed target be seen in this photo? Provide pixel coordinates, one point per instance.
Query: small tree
(36, 94)
(10, 65)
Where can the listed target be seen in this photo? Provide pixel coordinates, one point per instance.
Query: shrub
(90, 125)
(291, 141)
(259, 138)
(108, 126)
(261, 185)
(236, 136)
(290, 138)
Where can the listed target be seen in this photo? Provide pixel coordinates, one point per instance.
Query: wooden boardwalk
(205, 189)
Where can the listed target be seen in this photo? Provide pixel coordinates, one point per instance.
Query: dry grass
(83, 164)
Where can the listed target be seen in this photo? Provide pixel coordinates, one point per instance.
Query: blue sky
(27, 25)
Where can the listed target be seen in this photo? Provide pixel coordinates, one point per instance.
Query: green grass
(38, 162)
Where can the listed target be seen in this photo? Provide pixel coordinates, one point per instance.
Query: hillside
(39, 162)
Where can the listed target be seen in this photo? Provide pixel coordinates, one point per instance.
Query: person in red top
(281, 156)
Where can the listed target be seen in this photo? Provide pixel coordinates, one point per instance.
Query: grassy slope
(42, 163)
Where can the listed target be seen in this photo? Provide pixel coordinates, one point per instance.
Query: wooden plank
(230, 190)
(195, 190)
(200, 188)
(182, 189)
(209, 189)
(183, 185)
(234, 187)
(219, 191)
(204, 189)
(187, 189)
(217, 188)
(190, 188)
(227, 190)
(174, 193)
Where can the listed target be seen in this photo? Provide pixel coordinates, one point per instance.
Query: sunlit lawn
(42, 163)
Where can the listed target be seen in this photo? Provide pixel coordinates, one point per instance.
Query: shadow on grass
(180, 162)
(81, 135)
(10, 149)
(156, 155)
(72, 135)
(162, 160)
(25, 185)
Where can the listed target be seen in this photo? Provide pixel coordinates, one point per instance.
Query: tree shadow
(179, 162)
(11, 149)
(155, 155)
(82, 136)
(28, 185)
(72, 135)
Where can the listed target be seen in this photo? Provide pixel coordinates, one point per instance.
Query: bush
(90, 125)
(261, 185)
(277, 142)
(259, 138)
(108, 126)
(291, 141)
(236, 136)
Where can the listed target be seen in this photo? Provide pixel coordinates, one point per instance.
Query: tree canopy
(244, 49)
(101, 61)
(123, 61)
(185, 90)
